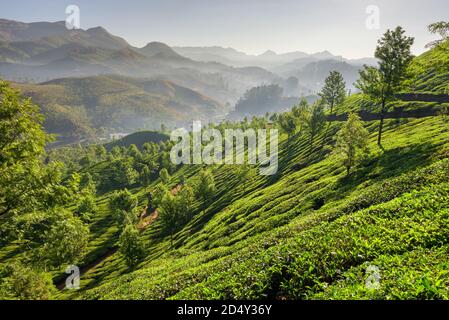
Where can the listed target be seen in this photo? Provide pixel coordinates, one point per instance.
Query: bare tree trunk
(382, 117)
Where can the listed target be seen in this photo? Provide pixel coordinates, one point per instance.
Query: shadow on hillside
(221, 201)
(298, 154)
(106, 221)
(294, 155)
(390, 163)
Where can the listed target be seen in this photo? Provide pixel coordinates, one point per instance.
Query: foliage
(205, 187)
(382, 83)
(122, 173)
(21, 282)
(158, 194)
(334, 90)
(145, 176)
(22, 141)
(123, 204)
(164, 175)
(288, 123)
(312, 120)
(442, 29)
(176, 210)
(308, 232)
(87, 207)
(131, 246)
(65, 243)
(352, 141)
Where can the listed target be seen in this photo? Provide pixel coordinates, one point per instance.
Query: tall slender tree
(131, 245)
(312, 120)
(352, 142)
(334, 90)
(380, 84)
(205, 188)
(287, 123)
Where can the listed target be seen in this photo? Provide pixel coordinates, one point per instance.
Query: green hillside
(80, 107)
(269, 238)
(138, 139)
(310, 231)
(429, 71)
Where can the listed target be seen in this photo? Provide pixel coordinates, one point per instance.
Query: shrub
(131, 246)
(21, 282)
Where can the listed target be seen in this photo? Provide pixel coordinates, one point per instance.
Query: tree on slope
(123, 204)
(352, 142)
(334, 90)
(18, 281)
(382, 83)
(164, 175)
(22, 141)
(131, 245)
(287, 122)
(205, 188)
(442, 29)
(34, 192)
(312, 120)
(175, 210)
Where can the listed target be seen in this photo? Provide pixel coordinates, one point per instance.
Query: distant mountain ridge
(268, 59)
(42, 51)
(309, 69)
(11, 30)
(66, 72)
(38, 52)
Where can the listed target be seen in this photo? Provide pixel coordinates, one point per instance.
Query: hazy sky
(252, 26)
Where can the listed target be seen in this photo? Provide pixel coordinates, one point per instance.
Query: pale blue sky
(252, 26)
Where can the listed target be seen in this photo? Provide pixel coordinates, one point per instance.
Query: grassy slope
(430, 71)
(309, 231)
(76, 106)
(268, 237)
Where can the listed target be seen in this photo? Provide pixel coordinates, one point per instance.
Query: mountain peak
(323, 55)
(156, 48)
(268, 53)
(157, 44)
(97, 30)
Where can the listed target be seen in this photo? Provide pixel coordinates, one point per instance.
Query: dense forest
(352, 194)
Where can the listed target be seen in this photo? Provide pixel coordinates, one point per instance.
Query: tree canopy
(334, 90)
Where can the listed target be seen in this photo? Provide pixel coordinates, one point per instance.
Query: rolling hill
(308, 232)
(78, 107)
(138, 139)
